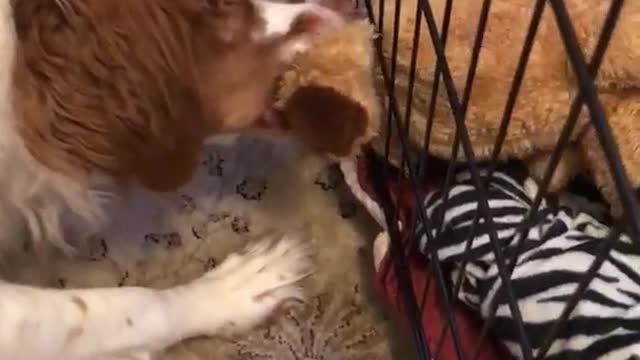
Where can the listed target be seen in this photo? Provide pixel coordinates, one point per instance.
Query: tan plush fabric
(538, 116)
(547, 90)
(328, 95)
(240, 192)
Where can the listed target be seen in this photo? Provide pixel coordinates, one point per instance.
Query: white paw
(249, 286)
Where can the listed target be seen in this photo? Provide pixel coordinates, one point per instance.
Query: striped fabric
(558, 251)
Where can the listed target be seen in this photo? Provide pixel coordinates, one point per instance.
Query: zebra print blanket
(558, 250)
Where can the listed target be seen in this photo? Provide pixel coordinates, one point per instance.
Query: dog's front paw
(247, 287)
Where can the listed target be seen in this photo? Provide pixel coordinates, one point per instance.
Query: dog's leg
(140, 355)
(102, 323)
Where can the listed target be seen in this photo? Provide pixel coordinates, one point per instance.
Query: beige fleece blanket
(242, 190)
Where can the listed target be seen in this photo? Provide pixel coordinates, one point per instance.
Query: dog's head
(130, 88)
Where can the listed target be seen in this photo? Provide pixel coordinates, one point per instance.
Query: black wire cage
(415, 167)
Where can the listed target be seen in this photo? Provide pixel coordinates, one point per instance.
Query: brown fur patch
(131, 88)
(326, 120)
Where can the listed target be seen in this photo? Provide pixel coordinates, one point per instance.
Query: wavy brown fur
(117, 86)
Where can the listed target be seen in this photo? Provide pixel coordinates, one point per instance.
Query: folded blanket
(558, 251)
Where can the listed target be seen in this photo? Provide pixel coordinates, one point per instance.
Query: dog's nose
(316, 20)
(281, 19)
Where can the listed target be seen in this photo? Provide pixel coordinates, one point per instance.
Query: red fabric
(432, 317)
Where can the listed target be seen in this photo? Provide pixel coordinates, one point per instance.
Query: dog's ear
(326, 120)
(163, 168)
(110, 91)
(169, 156)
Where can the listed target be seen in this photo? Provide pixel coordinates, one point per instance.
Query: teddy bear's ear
(327, 121)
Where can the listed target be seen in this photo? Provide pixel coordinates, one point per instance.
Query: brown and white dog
(101, 97)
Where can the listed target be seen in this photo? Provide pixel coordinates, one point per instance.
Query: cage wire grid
(414, 170)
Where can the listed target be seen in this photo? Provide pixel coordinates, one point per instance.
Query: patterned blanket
(243, 189)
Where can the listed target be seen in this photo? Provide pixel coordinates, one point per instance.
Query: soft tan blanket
(241, 191)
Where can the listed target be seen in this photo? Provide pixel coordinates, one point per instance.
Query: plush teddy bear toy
(545, 96)
(327, 99)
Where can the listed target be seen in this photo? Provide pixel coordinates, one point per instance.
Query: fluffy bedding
(558, 251)
(242, 190)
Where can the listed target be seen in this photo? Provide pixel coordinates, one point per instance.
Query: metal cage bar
(396, 123)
